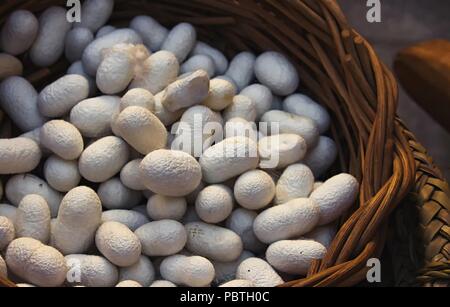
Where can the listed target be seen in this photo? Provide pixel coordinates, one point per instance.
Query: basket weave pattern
(340, 69)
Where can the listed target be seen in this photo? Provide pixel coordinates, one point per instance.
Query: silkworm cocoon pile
(275, 71)
(95, 14)
(138, 97)
(199, 62)
(9, 212)
(335, 196)
(196, 127)
(162, 238)
(93, 117)
(153, 34)
(49, 43)
(131, 219)
(18, 99)
(163, 284)
(241, 69)
(228, 79)
(157, 72)
(243, 107)
(322, 156)
(238, 126)
(192, 197)
(213, 242)
(36, 263)
(156, 161)
(19, 155)
(130, 176)
(104, 30)
(63, 139)
(280, 151)
(22, 185)
(115, 72)
(118, 244)
(186, 92)
(294, 257)
(114, 195)
(180, 41)
(62, 175)
(317, 184)
(261, 96)
(170, 173)
(103, 159)
(77, 221)
(286, 122)
(134, 124)
(229, 159)
(76, 41)
(10, 65)
(77, 69)
(302, 105)
(33, 219)
(164, 115)
(323, 235)
(92, 271)
(141, 272)
(297, 181)
(19, 32)
(290, 220)
(226, 271)
(259, 272)
(161, 207)
(219, 59)
(241, 222)
(254, 190)
(92, 55)
(3, 268)
(142, 209)
(7, 232)
(23, 285)
(194, 271)
(214, 203)
(221, 94)
(128, 284)
(35, 135)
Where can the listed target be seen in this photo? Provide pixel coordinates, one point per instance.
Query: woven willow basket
(404, 201)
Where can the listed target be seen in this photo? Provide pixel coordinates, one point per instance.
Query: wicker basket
(341, 70)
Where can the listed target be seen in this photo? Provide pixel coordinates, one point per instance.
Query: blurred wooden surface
(424, 71)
